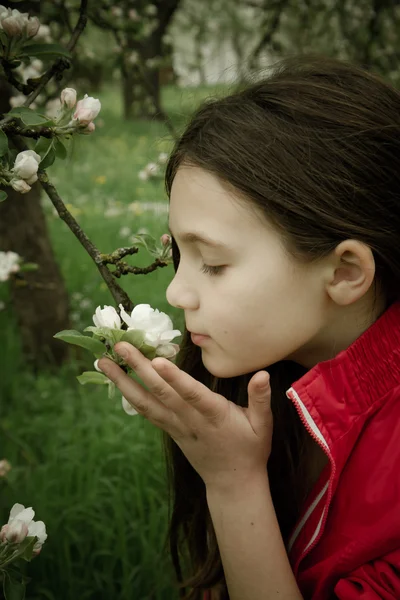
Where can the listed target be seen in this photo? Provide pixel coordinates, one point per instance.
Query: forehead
(200, 201)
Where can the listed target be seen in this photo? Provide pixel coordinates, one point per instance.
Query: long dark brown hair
(316, 146)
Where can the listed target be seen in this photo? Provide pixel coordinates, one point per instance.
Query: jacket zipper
(317, 436)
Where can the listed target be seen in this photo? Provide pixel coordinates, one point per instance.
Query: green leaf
(30, 117)
(111, 390)
(44, 147)
(3, 195)
(113, 335)
(60, 149)
(48, 160)
(26, 548)
(13, 588)
(147, 241)
(148, 351)
(78, 339)
(44, 50)
(3, 143)
(93, 377)
(134, 337)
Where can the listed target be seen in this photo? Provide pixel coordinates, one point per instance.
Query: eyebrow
(192, 237)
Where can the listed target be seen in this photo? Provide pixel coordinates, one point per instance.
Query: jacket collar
(335, 393)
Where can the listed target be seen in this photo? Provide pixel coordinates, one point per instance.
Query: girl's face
(262, 306)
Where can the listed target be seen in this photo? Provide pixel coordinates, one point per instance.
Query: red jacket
(346, 544)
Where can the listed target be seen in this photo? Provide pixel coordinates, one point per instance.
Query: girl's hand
(226, 444)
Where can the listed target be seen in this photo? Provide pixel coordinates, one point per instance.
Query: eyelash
(211, 270)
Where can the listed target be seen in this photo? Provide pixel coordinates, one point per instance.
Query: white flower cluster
(156, 325)
(21, 525)
(9, 263)
(25, 171)
(153, 169)
(17, 24)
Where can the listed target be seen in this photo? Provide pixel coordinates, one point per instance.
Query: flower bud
(26, 164)
(133, 15)
(5, 467)
(16, 531)
(32, 27)
(12, 26)
(89, 128)
(87, 110)
(68, 97)
(3, 532)
(19, 185)
(165, 239)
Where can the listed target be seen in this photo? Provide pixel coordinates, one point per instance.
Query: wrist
(237, 488)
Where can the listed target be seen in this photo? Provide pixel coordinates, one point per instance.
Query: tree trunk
(39, 297)
(141, 87)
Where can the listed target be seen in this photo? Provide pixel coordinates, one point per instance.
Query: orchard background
(94, 475)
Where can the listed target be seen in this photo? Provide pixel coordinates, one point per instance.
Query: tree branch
(119, 295)
(13, 129)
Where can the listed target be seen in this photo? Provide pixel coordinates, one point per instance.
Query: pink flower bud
(19, 185)
(89, 129)
(32, 27)
(87, 110)
(5, 467)
(165, 239)
(16, 532)
(68, 97)
(3, 532)
(133, 15)
(12, 26)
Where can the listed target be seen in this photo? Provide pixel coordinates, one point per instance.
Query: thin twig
(61, 64)
(119, 295)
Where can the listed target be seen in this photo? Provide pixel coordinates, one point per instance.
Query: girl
(285, 217)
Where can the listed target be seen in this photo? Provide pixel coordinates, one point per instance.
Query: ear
(352, 272)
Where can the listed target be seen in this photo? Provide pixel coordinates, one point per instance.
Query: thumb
(259, 411)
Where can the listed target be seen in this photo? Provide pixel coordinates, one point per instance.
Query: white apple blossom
(107, 317)
(87, 110)
(9, 263)
(143, 175)
(162, 157)
(15, 533)
(26, 164)
(17, 100)
(157, 325)
(35, 528)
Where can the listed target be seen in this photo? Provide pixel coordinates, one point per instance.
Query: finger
(194, 393)
(259, 413)
(139, 398)
(143, 368)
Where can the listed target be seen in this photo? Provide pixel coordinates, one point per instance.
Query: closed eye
(212, 270)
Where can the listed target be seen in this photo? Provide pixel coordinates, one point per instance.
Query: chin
(222, 371)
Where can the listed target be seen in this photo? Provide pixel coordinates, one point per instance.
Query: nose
(180, 295)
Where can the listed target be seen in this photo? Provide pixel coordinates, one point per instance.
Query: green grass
(93, 474)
